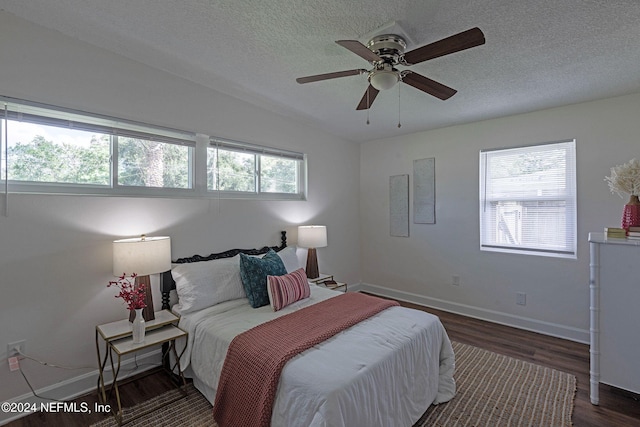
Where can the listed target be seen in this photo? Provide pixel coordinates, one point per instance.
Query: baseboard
(520, 322)
(82, 384)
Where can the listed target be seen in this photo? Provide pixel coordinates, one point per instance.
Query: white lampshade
(142, 255)
(312, 236)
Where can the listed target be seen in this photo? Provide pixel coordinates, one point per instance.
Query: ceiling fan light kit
(386, 51)
(383, 79)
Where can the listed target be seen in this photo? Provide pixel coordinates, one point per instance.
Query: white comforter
(385, 371)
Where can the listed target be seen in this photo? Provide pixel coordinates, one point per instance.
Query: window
(39, 153)
(278, 175)
(231, 170)
(238, 169)
(147, 163)
(528, 200)
(48, 149)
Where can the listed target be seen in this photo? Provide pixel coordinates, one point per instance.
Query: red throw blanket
(255, 358)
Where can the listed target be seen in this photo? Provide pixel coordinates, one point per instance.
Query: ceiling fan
(385, 52)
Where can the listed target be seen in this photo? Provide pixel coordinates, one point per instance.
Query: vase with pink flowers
(134, 297)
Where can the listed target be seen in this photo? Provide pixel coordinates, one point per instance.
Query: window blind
(31, 112)
(528, 199)
(227, 144)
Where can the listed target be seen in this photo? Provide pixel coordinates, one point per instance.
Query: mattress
(384, 371)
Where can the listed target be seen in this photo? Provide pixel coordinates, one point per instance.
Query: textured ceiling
(538, 54)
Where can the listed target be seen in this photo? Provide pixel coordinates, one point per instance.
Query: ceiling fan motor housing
(389, 47)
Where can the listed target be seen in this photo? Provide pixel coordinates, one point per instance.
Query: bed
(385, 370)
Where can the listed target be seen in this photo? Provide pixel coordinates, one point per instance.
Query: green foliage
(236, 170)
(46, 161)
(278, 175)
(141, 163)
(144, 163)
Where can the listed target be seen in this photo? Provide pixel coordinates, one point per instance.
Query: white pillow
(289, 259)
(206, 283)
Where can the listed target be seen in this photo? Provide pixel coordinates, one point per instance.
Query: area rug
(493, 390)
(193, 411)
(496, 390)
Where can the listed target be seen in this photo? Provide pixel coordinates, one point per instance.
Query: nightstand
(118, 339)
(328, 282)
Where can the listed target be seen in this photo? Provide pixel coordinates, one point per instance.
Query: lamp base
(312, 264)
(147, 313)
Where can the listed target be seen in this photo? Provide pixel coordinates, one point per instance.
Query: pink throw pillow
(287, 289)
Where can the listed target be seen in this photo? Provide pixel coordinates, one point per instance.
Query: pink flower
(132, 296)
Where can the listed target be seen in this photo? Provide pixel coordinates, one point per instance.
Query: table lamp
(312, 237)
(143, 256)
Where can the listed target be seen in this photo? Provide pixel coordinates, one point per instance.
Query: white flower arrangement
(625, 179)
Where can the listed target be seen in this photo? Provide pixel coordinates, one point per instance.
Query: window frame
(18, 109)
(158, 191)
(569, 198)
(258, 151)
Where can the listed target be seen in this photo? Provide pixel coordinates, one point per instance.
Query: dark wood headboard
(167, 284)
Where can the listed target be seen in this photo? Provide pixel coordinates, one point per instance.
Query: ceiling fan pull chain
(399, 125)
(368, 105)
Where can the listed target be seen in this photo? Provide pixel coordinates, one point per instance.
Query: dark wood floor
(617, 408)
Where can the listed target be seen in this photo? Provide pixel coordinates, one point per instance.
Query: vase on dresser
(138, 327)
(631, 213)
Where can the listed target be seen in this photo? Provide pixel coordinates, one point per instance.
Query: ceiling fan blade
(461, 41)
(328, 76)
(429, 86)
(359, 49)
(366, 102)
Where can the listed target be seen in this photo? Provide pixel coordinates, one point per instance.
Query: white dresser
(615, 313)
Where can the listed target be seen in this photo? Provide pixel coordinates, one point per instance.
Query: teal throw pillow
(254, 272)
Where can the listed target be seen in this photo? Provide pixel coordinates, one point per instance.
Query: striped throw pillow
(287, 289)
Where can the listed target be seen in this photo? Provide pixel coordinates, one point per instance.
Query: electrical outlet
(521, 298)
(14, 364)
(455, 280)
(15, 348)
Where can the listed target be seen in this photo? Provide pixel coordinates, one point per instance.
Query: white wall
(55, 251)
(420, 267)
